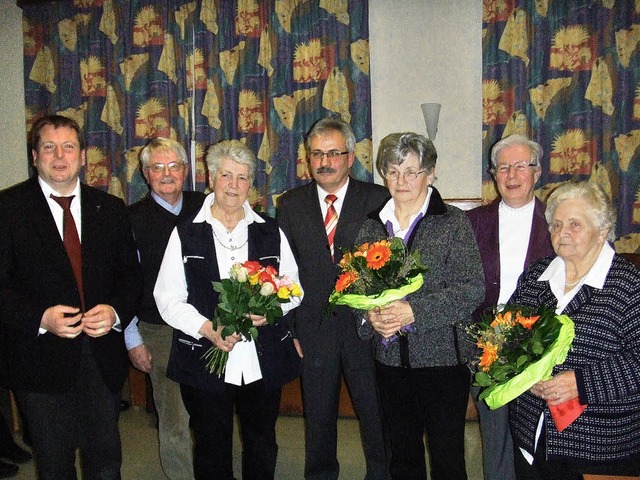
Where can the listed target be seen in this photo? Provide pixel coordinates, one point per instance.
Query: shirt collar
(322, 193)
(47, 190)
(388, 212)
(204, 215)
(175, 209)
(595, 277)
(528, 208)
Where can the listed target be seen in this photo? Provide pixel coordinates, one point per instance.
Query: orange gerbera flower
(489, 355)
(345, 280)
(502, 319)
(378, 255)
(526, 322)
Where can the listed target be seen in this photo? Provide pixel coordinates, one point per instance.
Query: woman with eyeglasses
(202, 250)
(423, 380)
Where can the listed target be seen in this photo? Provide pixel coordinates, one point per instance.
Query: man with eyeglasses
(329, 343)
(148, 338)
(511, 233)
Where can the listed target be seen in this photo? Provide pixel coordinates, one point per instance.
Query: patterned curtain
(567, 74)
(200, 72)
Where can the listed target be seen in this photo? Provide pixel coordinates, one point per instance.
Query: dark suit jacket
(300, 218)
(35, 274)
(484, 221)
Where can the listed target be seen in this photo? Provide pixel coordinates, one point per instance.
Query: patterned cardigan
(606, 359)
(453, 288)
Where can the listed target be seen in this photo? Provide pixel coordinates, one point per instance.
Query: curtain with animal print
(567, 75)
(200, 72)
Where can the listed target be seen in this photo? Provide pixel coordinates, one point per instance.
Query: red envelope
(564, 414)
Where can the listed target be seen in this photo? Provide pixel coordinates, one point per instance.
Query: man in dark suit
(329, 343)
(511, 234)
(149, 338)
(64, 304)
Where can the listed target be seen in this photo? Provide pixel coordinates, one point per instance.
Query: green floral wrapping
(500, 395)
(367, 302)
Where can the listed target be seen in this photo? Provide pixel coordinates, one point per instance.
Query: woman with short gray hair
(233, 149)
(423, 381)
(201, 250)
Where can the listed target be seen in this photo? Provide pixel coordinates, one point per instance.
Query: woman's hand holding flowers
(388, 320)
(558, 389)
(215, 337)
(258, 320)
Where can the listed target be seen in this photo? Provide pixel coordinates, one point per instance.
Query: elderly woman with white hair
(201, 250)
(600, 291)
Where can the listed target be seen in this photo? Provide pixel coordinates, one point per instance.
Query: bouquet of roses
(375, 274)
(519, 346)
(250, 288)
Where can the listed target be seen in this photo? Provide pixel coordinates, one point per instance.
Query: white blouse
(171, 293)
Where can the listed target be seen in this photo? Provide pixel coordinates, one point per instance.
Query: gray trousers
(497, 445)
(176, 450)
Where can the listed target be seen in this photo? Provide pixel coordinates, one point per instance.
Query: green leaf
(254, 332)
(228, 330)
(482, 379)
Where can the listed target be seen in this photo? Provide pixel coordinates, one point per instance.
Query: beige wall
(13, 156)
(421, 51)
(431, 51)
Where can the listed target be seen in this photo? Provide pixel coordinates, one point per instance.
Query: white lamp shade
(431, 113)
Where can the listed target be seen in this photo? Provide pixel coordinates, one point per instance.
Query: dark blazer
(35, 274)
(484, 221)
(300, 218)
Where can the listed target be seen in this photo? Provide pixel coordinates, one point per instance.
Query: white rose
(267, 289)
(239, 273)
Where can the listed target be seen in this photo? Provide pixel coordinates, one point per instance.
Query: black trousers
(211, 419)
(6, 437)
(432, 400)
(85, 417)
(336, 351)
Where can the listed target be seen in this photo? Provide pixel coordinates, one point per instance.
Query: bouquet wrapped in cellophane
(378, 273)
(519, 346)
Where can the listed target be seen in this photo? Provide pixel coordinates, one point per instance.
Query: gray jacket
(453, 288)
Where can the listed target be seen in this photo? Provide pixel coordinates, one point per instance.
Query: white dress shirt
(57, 212)
(171, 291)
(324, 206)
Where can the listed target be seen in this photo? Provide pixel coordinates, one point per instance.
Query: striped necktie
(331, 220)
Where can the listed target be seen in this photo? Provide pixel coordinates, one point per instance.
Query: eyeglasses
(159, 167)
(519, 167)
(319, 154)
(408, 175)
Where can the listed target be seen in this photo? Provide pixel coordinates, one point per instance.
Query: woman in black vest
(201, 250)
